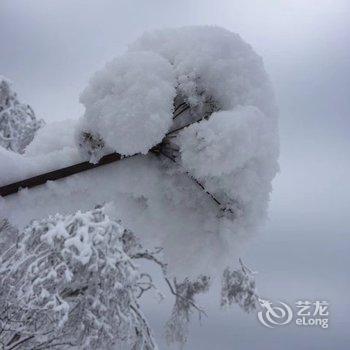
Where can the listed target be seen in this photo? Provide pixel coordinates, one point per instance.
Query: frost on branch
(68, 280)
(18, 123)
(185, 291)
(238, 287)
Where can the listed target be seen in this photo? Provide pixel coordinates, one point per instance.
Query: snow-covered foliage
(72, 282)
(68, 280)
(197, 95)
(129, 103)
(233, 150)
(216, 191)
(185, 291)
(18, 123)
(227, 138)
(238, 286)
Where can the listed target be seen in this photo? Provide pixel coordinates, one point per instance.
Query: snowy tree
(72, 281)
(199, 96)
(18, 123)
(223, 134)
(128, 104)
(193, 110)
(69, 281)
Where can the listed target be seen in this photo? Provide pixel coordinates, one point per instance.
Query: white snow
(234, 155)
(129, 103)
(53, 137)
(212, 62)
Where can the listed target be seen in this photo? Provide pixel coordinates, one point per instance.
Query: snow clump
(129, 104)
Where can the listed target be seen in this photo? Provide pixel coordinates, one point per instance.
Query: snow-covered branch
(238, 286)
(184, 292)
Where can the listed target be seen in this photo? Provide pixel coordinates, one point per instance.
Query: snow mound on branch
(233, 154)
(18, 123)
(244, 134)
(212, 63)
(129, 103)
(15, 167)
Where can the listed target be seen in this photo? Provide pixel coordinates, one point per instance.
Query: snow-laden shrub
(227, 139)
(18, 123)
(69, 281)
(129, 104)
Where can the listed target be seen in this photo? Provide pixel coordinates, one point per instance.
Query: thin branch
(21, 342)
(181, 111)
(148, 256)
(199, 184)
(57, 174)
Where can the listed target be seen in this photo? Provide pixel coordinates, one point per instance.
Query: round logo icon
(272, 315)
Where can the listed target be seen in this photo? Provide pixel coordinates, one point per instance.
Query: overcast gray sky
(50, 49)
